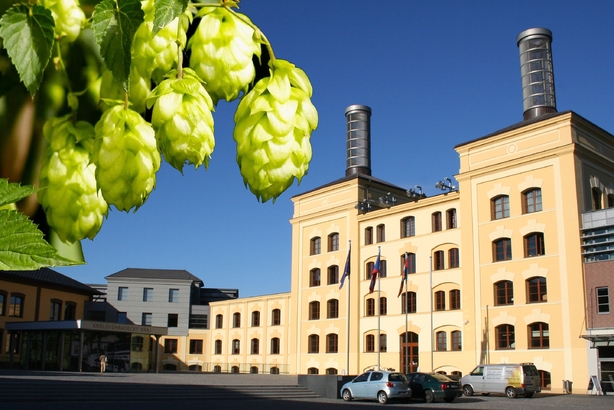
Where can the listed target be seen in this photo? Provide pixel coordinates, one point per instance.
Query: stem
(179, 51)
(126, 100)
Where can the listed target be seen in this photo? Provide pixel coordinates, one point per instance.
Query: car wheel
(347, 396)
(467, 390)
(528, 395)
(449, 399)
(511, 392)
(429, 397)
(382, 397)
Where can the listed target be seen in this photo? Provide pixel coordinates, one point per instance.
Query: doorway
(409, 352)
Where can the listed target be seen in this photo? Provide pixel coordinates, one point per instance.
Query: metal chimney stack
(536, 71)
(358, 120)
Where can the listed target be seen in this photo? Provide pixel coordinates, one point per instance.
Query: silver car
(377, 385)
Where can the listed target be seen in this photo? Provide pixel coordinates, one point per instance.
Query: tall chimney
(536, 71)
(358, 119)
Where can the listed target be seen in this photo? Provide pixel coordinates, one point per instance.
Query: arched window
(234, 369)
(314, 277)
(219, 321)
(505, 338)
(596, 192)
(333, 242)
(383, 306)
(451, 218)
(332, 343)
(408, 227)
(453, 261)
(408, 302)
(370, 307)
(455, 299)
(440, 300)
(314, 310)
(368, 235)
(218, 347)
(255, 346)
(313, 345)
(534, 244)
(504, 293)
(536, 290)
(276, 317)
(331, 370)
(438, 260)
(502, 249)
(441, 341)
(313, 370)
(333, 275)
(532, 200)
(539, 335)
(315, 246)
(332, 309)
(192, 367)
(236, 320)
(411, 263)
(274, 370)
(500, 207)
(236, 346)
(255, 318)
(436, 221)
(253, 369)
(381, 233)
(370, 343)
(275, 345)
(456, 340)
(217, 369)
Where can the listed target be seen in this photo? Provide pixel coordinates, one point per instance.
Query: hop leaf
(274, 122)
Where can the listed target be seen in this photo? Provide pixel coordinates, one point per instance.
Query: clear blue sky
(435, 74)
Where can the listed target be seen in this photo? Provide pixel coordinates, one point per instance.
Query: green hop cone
(126, 158)
(68, 16)
(74, 206)
(182, 120)
(222, 50)
(274, 122)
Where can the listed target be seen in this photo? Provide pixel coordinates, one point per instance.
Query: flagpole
(347, 336)
(379, 314)
(406, 316)
(431, 292)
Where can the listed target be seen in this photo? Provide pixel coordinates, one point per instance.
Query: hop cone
(274, 122)
(182, 120)
(68, 16)
(110, 89)
(222, 50)
(126, 158)
(74, 207)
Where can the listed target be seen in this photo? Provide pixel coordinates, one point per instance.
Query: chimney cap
(534, 32)
(357, 107)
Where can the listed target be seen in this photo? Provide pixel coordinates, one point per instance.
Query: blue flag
(346, 271)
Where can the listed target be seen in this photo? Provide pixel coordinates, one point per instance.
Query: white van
(507, 378)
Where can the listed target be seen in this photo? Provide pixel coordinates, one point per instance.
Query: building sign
(125, 328)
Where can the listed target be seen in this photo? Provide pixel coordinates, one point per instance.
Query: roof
(349, 178)
(49, 277)
(169, 274)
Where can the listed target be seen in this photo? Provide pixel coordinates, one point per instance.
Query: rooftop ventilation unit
(358, 120)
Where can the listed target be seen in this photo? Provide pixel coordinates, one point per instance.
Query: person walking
(103, 363)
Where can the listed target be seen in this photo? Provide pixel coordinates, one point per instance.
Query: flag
(404, 274)
(374, 273)
(346, 271)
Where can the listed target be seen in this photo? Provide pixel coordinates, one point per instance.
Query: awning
(86, 325)
(599, 340)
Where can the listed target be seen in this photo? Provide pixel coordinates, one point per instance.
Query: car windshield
(440, 377)
(397, 377)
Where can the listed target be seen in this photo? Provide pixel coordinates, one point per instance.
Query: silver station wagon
(377, 385)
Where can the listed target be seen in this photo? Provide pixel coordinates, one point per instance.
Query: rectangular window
(146, 319)
(333, 242)
(381, 233)
(454, 299)
(2, 303)
(368, 235)
(199, 322)
(456, 340)
(122, 317)
(453, 258)
(408, 227)
(196, 346)
(170, 345)
(436, 221)
(438, 260)
(70, 311)
(441, 341)
(451, 218)
(440, 300)
(276, 317)
(173, 320)
(173, 295)
(147, 294)
(500, 207)
(55, 310)
(603, 300)
(122, 293)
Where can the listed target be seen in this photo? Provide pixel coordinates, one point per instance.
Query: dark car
(377, 385)
(434, 386)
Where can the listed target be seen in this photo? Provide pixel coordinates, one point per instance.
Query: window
(234, 369)
(451, 218)
(539, 336)
(331, 370)
(383, 306)
(603, 300)
(370, 343)
(147, 294)
(369, 270)
(546, 380)
(502, 250)
(596, 199)
(370, 307)
(333, 275)
(137, 344)
(500, 207)
(219, 321)
(455, 299)
(436, 221)
(199, 321)
(196, 346)
(170, 345)
(381, 233)
(255, 319)
(332, 343)
(122, 317)
(236, 320)
(333, 242)
(411, 263)
(55, 310)
(275, 345)
(456, 340)
(532, 200)
(536, 290)
(453, 258)
(383, 343)
(382, 269)
(504, 335)
(236, 346)
(438, 260)
(368, 235)
(173, 295)
(16, 305)
(146, 319)
(313, 344)
(408, 227)
(315, 246)
(332, 309)
(276, 317)
(441, 341)
(313, 370)
(440, 300)
(2, 304)
(70, 311)
(122, 293)
(255, 346)
(217, 347)
(504, 293)
(408, 302)
(314, 277)
(173, 320)
(534, 244)
(274, 370)
(217, 368)
(314, 310)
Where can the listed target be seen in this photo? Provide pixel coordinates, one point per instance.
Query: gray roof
(48, 277)
(140, 273)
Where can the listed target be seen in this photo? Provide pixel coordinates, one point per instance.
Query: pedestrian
(103, 363)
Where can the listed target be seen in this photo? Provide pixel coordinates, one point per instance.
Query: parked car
(434, 386)
(377, 385)
(508, 378)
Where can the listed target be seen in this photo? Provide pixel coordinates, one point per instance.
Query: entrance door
(409, 352)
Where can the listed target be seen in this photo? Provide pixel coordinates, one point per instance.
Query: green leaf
(115, 22)
(28, 39)
(167, 11)
(11, 193)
